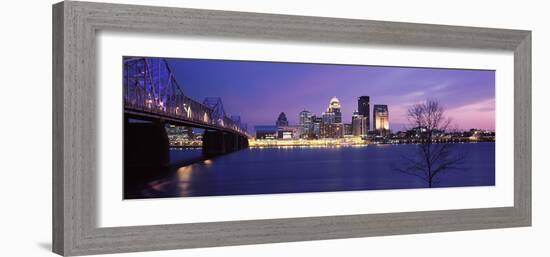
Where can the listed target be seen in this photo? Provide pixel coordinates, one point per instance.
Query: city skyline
(271, 88)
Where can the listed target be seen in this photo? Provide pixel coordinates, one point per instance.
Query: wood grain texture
(75, 25)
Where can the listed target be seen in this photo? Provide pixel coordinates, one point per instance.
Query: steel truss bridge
(151, 91)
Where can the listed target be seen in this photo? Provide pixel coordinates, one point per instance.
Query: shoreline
(327, 145)
(279, 144)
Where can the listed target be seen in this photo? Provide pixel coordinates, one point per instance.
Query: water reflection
(184, 179)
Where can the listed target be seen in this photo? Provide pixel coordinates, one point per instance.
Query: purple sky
(259, 91)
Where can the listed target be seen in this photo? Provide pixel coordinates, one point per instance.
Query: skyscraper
(334, 107)
(328, 118)
(317, 123)
(306, 123)
(363, 108)
(380, 117)
(281, 120)
(359, 124)
(332, 126)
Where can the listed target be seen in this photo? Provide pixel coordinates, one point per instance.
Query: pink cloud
(477, 115)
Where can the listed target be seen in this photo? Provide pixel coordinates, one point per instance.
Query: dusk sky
(259, 91)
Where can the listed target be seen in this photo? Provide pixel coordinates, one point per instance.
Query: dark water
(294, 170)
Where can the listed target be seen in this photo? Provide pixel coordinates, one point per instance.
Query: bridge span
(153, 98)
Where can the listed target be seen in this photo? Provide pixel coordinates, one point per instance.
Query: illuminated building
(182, 136)
(332, 130)
(281, 120)
(332, 126)
(334, 107)
(306, 123)
(363, 108)
(266, 132)
(329, 117)
(380, 116)
(181, 131)
(348, 131)
(289, 132)
(359, 124)
(317, 121)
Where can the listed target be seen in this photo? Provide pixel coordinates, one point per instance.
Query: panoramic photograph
(204, 127)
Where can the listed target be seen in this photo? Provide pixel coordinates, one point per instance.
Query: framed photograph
(182, 128)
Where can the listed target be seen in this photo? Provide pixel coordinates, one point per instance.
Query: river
(299, 169)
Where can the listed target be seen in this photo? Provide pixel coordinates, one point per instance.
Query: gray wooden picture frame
(75, 25)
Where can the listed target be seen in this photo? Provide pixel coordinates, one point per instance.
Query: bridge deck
(139, 113)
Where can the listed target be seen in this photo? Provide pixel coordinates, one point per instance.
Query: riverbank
(307, 143)
(343, 143)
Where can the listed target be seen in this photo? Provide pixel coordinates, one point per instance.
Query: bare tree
(433, 155)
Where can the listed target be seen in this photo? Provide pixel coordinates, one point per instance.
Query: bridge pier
(218, 142)
(146, 144)
(244, 142)
(213, 142)
(231, 144)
